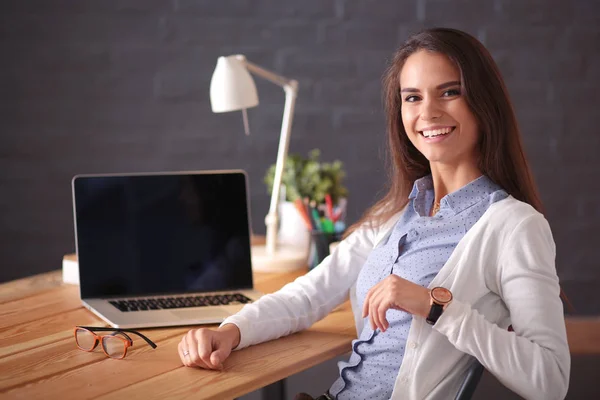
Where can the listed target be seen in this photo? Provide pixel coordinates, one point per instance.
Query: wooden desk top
(39, 359)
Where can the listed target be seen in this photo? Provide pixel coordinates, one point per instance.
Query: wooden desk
(39, 359)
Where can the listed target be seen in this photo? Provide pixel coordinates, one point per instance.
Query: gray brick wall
(113, 86)
(92, 86)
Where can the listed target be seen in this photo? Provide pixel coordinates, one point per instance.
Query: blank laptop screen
(162, 234)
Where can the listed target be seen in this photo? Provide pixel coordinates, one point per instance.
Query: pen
(309, 213)
(329, 204)
(302, 211)
(315, 215)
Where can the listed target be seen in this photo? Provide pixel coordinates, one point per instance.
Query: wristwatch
(439, 299)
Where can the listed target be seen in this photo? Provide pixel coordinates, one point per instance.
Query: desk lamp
(231, 89)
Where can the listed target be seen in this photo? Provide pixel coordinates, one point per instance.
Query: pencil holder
(319, 246)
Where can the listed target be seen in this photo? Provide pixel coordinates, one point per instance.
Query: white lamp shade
(231, 87)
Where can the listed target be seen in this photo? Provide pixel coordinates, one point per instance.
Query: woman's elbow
(557, 378)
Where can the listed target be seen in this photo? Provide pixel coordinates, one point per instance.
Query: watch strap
(435, 312)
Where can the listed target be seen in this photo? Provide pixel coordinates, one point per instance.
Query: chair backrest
(471, 380)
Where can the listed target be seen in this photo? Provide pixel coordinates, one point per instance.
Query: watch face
(441, 295)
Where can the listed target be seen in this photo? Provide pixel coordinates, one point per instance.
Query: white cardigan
(502, 272)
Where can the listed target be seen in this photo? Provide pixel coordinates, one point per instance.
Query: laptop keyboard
(180, 302)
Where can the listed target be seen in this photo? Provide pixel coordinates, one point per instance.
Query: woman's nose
(430, 110)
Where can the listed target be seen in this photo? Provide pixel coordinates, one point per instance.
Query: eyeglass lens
(85, 339)
(113, 346)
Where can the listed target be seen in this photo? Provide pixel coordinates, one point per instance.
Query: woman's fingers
(373, 310)
(181, 351)
(205, 348)
(195, 338)
(381, 311)
(192, 348)
(185, 353)
(189, 351)
(365, 311)
(378, 304)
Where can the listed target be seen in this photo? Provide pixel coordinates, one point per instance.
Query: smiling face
(435, 115)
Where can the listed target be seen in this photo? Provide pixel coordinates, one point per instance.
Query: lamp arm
(272, 218)
(266, 74)
(290, 87)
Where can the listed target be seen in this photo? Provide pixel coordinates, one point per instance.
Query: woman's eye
(411, 99)
(451, 92)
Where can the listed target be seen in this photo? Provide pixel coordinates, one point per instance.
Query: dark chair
(470, 383)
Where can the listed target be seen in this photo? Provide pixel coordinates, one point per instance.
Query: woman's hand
(208, 348)
(398, 294)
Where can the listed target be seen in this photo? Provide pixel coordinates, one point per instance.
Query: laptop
(163, 249)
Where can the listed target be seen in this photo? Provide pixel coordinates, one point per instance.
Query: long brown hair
(502, 158)
(501, 154)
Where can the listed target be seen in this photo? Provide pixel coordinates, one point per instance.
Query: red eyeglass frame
(127, 341)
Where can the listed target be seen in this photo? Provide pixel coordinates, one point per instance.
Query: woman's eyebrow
(438, 87)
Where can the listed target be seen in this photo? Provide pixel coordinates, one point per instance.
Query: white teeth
(437, 132)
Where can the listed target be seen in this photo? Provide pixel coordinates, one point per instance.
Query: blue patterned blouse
(416, 250)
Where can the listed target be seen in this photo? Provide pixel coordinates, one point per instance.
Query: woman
(455, 253)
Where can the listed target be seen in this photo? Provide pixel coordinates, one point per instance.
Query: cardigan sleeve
(309, 298)
(534, 360)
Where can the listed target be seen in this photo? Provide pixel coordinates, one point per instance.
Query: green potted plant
(308, 177)
(305, 177)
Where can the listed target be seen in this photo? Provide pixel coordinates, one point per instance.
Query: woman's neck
(448, 179)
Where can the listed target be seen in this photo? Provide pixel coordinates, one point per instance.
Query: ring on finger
(186, 353)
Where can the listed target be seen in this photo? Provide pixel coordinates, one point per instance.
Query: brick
(372, 64)
(524, 38)
(186, 77)
(211, 31)
(359, 35)
(349, 93)
(79, 118)
(366, 124)
(374, 10)
(592, 68)
(88, 88)
(81, 29)
(540, 132)
(284, 33)
(177, 88)
(458, 11)
(69, 58)
(586, 12)
(234, 32)
(87, 6)
(523, 65)
(316, 64)
(292, 8)
(567, 66)
(582, 38)
(579, 153)
(524, 13)
(580, 97)
(195, 147)
(526, 95)
(215, 9)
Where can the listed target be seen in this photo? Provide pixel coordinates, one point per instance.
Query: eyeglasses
(114, 345)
